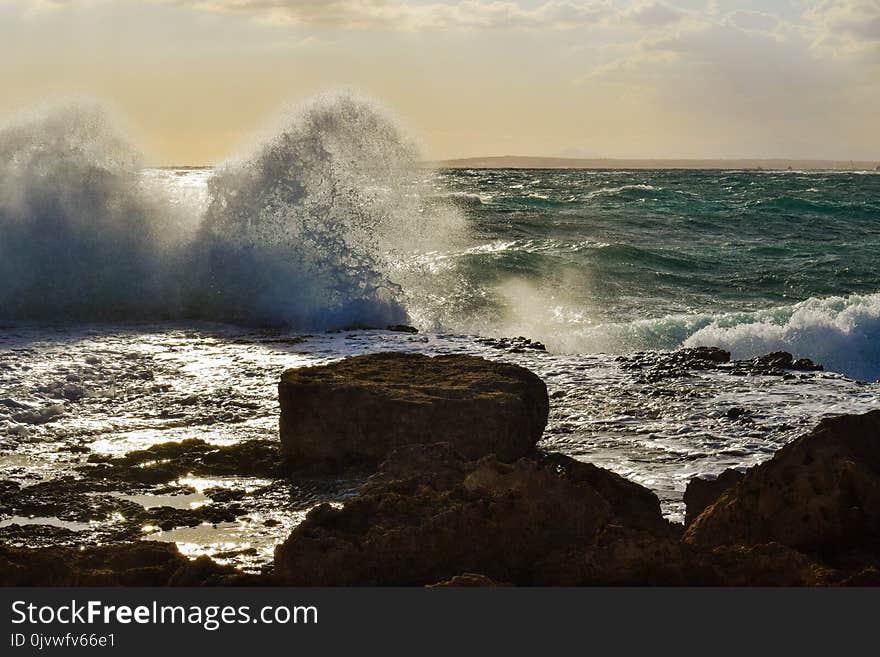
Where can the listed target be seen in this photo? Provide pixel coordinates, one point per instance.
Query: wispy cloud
(399, 15)
(846, 27)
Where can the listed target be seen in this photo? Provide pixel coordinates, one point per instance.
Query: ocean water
(141, 306)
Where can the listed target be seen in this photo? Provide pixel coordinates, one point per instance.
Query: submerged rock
(819, 495)
(362, 408)
(430, 515)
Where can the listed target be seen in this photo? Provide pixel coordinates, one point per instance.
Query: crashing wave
(307, 231)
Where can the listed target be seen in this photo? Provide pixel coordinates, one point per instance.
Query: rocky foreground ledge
(463, 497)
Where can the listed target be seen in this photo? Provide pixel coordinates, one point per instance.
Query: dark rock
(819, 495)
(622, 556)
(769, 564)
(776, 363)
(142, 563)
(169, 461)
(362, 408)
(403, 328)
(701, 493)
(430, 515)
(659, 366)
(631, 504)
(518, 344)
(466, 579)
(781, 359)
(735, 413)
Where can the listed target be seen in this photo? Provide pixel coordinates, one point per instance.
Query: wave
(80, 236)
(622, 190)
(293, 232)
(308, 230)
(843, 333)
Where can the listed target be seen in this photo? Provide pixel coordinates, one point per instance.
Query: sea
(142, 305)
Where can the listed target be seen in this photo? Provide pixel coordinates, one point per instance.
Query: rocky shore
(454, 490)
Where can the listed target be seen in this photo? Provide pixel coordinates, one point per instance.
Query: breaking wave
(842, 333)
(307, 231)
(80, 236)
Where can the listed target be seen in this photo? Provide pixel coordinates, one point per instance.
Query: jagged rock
(819, 495)
(517, 345)
(625, 557)
(701, 493)
(430, 515)
(781, 359)
(769, 564)
(776, 363)
(659, 366)
(621, 556)
(362, 408)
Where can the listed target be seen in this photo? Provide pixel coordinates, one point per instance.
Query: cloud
(754, 21)
(846, 27)
(653, 14)
(400, 15)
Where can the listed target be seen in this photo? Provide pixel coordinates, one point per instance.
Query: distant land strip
(525, 162)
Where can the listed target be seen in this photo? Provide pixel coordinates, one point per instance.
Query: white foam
(842, 333)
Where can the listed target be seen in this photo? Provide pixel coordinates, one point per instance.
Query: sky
(576, 78)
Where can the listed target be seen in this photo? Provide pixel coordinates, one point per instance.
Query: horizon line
(562, 162)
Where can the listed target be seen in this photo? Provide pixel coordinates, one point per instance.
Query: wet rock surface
(515, 345)
(134, 564)
(362, 408)
(104, 503)
(659, 366)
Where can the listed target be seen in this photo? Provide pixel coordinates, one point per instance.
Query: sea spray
(316, 228)
(310, 230)
(80, 238)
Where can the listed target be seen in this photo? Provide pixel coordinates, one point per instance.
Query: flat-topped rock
(362, 408)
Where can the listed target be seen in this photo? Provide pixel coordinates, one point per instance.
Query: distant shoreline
(524, 162)
(623, 164)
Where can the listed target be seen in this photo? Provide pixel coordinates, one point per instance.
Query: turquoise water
(664, 242)
(625, 260)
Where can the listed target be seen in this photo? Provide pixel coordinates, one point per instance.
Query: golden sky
(609, 78)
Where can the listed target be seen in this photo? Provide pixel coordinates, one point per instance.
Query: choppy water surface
(70, 392)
